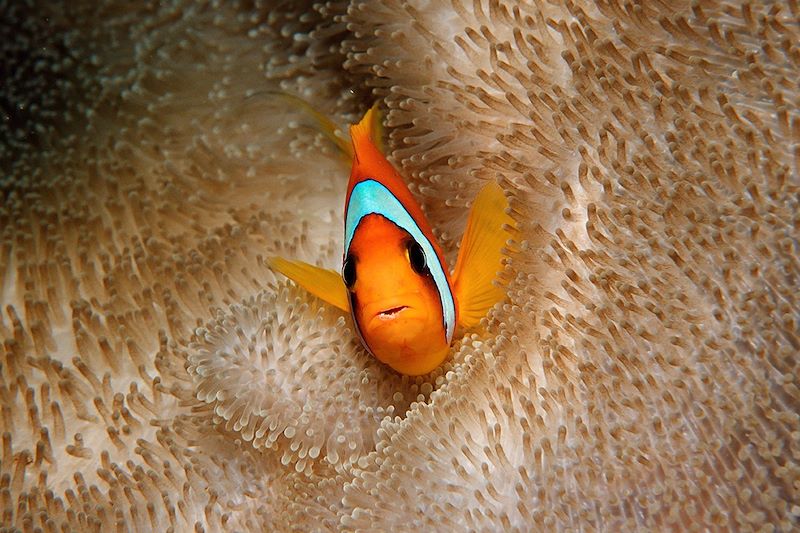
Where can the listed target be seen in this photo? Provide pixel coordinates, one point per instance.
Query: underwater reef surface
(642, 374)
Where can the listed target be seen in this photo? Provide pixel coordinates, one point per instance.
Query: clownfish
(405, 303)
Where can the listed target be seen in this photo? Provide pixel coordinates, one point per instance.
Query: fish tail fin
(323, 283)
(480, 256)
(325, 124)
(369, 128)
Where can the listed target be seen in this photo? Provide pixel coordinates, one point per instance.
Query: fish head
(393, 297)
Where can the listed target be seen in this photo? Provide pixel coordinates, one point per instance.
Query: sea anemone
(291, 375)
(641, 374)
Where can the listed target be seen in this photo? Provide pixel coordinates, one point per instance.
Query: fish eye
(417, 258)
(349, 271)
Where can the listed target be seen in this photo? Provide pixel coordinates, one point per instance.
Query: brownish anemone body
(643, 373)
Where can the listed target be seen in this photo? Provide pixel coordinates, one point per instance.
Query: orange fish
(405, 303)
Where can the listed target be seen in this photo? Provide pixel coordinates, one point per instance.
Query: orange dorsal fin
(369, 163)
(369, 130)
(480, 256)
(323, 283)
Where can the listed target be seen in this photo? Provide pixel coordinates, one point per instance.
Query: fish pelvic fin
(480, 257)
(321, 282)
(369, 129)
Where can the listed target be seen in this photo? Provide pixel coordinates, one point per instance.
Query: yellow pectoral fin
(481, 254)
(323, 283)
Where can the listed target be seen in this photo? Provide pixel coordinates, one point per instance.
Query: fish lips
(392, 313)
(387, 313)
(382, 313)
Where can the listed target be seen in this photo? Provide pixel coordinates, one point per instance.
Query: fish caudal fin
(323, 283)
(369, 128)
(481, 254)
(325, 125)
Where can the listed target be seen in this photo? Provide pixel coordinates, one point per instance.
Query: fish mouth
(385, 311)
(391, 313)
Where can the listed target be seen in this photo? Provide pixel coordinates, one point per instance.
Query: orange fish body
(404, 302)
(395, 308)
(398, 283)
